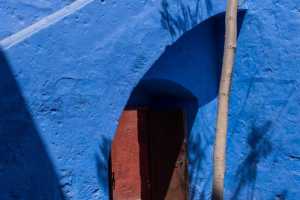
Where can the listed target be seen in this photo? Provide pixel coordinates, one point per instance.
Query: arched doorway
(183, 80)
(149, 152)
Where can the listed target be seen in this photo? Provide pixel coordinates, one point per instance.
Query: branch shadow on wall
(103, 165)
(260, 148)
(181, 22)
(178, 16)
(200, 178)
(281, 196)
(26, 171)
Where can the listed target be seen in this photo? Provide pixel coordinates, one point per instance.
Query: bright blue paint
(63, 89)
(18, 14)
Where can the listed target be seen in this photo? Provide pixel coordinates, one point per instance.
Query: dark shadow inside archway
(164, 94)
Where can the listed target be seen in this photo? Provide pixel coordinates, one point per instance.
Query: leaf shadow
(184, 19)
(260, 148)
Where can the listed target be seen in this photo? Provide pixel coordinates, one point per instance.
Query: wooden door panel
(148, 158)
(126, 179)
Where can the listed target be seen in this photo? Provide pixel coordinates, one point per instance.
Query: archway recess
(187, 76)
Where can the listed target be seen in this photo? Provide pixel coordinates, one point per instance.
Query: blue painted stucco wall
(65, 82)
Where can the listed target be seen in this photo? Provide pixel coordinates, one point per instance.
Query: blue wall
(18, 14)
(186, 75)
(65, 81)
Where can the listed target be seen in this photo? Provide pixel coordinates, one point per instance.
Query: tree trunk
(225, 83)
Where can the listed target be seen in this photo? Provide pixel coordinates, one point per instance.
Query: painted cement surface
(64, 86)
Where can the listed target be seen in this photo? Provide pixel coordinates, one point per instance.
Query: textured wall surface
(65, 80)
(18, 14)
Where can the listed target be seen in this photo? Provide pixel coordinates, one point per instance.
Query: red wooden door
(148, 159)
(125, 159)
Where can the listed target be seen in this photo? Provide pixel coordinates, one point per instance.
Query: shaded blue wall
(64, 86)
